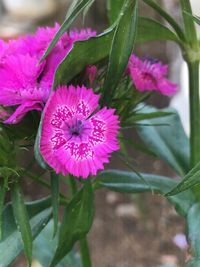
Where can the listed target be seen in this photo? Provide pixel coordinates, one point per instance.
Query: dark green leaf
(3, 190)
(130, 182)
(121, 48)
(193, 223)
(55, 199)
(44, 255)
(76, 222)
(196, 19)
(169, 141)
(12, 245)
(75, 11)
(83, 53)
(8, 223)
(148, 30)
(191, 179)
(37, 153)
(150, 115)
(114, 7)
(22, 220)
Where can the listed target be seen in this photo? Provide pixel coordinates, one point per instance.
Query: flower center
(76, 128)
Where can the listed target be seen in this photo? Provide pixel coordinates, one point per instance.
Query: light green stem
(194, 112)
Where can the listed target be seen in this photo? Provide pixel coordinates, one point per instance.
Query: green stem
(189, 25)
(194, 112)
(85, 255)
(167, 17)
(84, 249)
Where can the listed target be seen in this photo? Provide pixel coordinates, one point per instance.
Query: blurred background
(128, 230)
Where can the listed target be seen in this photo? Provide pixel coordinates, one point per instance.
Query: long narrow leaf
(76, 222)
(55, 199)
(113, 8)
(148, 31)
(193, 222)
(191, 179)
(129, 182)
(12, 246)
(168, 140)
(122, 46)
(167, 17)
(22, 220)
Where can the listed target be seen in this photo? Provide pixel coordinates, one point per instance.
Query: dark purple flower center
(76, 128)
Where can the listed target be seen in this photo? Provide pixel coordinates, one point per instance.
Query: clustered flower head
(24, 82)
(150, 75)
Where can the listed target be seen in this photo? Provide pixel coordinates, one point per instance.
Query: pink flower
(75, 137)
(150, 76)
(83, 34)
(25, 83)
(91, 71)
(20, 84)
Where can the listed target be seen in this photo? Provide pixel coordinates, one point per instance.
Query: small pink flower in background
(91, 71)
(83, 34)
(3, 114)
(148, 75)
(75, 137)
(180, 241)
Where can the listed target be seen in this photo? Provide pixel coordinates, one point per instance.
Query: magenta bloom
(91, 71)
(150, 76)
(20, 85)
(25, 83)
(83, 34)
(76, 138)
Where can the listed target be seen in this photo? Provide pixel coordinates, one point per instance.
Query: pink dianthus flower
(148, 75)
(20, 84)
(24, 82)
(75, 137)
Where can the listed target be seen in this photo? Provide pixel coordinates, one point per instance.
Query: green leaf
(48, 245)
(12, 245)
(76, 222)
(189, 26)
(151, 115)
(121, 48)
(37, 153)
(8, 222)
(55, 199)
(130, 182)
(22, 220)
(167, 17)
(3, 189)
(114, 7)
(191, 179)
(193, 224)
(82, 54)
(75, 11)
(168, 141)
(148, 30)
(196, 19)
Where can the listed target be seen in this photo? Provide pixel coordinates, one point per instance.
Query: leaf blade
(22, 220)
(129, 182)
(121, 48)
(76, 222)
